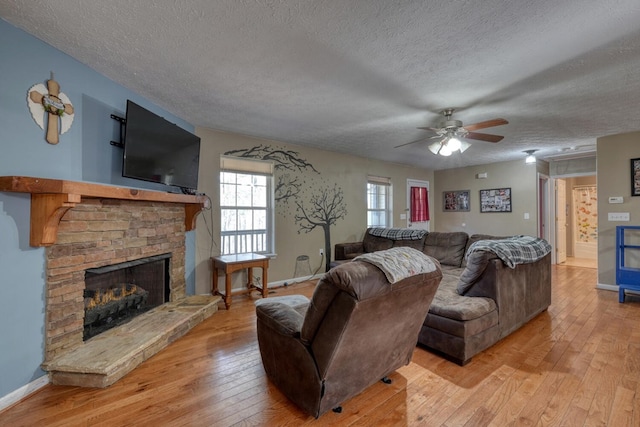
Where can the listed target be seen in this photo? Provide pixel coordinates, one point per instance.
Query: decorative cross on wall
(57, 106)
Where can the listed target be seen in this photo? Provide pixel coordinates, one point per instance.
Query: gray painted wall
(521, 178)
(614, 179)
(83, 154)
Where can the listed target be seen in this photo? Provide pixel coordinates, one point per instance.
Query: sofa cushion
(474, 238)
(448, 303)
(514, 250)
(476, 264)
(284, 314)
(353, 255)
(462, 329)
(446, 247)
(372, 243)
(399, 263)
(415, 244)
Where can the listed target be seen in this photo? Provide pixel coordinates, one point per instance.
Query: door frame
(552, 208)
(561, 219)
(544, 185)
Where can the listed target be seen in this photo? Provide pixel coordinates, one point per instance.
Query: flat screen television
(159, 151)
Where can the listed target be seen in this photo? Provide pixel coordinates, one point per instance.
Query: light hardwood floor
(581, 262)
(577, 364)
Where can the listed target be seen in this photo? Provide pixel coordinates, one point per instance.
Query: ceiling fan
(450, 132)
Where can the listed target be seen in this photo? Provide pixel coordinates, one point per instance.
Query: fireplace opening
(115, 294)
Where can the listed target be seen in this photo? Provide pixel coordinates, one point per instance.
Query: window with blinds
(246, 206)
(379, 202)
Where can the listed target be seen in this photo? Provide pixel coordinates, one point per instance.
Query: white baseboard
(24, 391)
(607, 287)
(615, 288)
(288, 282)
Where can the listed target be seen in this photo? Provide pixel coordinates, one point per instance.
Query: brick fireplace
(87, 226)
(101, 232)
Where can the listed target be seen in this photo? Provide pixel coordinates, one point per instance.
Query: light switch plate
(618, 216)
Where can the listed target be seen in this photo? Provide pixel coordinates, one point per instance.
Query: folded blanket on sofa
(514, 250)
(398, 233)
(399, 263)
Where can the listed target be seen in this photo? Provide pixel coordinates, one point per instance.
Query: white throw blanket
(399, 263)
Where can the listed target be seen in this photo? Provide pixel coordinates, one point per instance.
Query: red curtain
(419, 204)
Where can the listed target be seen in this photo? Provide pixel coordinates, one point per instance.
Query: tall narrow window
(246, 206)
(379, 202)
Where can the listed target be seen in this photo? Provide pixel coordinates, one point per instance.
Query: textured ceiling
(360, 76)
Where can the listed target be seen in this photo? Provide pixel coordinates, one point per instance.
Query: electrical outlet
(321, 251)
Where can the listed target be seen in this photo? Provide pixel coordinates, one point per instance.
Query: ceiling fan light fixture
(445, 150)
(454, 144)
(463, 146)
(435, 147)
(530, 159)
(452, 134)
(447, 147)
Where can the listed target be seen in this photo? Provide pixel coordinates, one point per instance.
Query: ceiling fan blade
(486, 124)
(484, 137)
(412, 142)
(418, 140)
(431, 129)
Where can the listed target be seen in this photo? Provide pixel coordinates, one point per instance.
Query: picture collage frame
(456, 201)
(495, 200)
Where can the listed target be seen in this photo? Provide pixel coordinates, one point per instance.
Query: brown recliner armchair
(357, 329)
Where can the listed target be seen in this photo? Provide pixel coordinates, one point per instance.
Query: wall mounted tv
(159, 151)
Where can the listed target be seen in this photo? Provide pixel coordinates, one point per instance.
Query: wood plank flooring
(580, 262)
(578, 364)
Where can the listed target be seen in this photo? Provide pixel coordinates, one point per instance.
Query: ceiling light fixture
(530, 159)
(448, 146)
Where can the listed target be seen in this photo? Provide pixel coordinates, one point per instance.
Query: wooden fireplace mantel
(52, 198)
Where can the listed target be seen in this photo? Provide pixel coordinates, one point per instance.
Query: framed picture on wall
(635, 177)
(495, 200)
(455, 201)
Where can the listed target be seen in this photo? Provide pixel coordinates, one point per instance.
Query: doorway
(576, 231)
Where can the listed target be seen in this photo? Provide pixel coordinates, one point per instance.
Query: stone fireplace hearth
(99, 235)
(87, 226)
(101, 232)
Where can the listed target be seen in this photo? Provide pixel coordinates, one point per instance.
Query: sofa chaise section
(480, 299)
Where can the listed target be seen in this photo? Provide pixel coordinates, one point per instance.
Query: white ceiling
(359, 76)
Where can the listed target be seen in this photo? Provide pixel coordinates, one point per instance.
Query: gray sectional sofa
(480, 299)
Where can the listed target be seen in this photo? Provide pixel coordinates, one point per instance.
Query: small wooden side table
(231, 263)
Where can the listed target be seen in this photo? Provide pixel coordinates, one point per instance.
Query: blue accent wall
(83, 154)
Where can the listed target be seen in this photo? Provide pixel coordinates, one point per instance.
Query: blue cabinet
(627, 276)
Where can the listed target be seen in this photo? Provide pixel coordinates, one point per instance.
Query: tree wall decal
(286, 187)
(286, 163)
(282, 158)
(322, 208)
